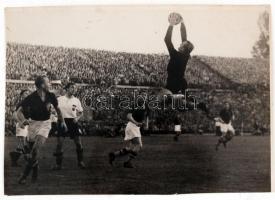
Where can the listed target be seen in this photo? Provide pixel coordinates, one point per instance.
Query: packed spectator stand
(243, 82)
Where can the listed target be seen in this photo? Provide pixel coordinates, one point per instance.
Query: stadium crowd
(249, 108)
(97, 71)
(101, 67)
(241, 70)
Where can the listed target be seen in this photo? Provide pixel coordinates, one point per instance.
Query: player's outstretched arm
(168, 38)
(183, 32)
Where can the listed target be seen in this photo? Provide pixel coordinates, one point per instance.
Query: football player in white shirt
(72, 111)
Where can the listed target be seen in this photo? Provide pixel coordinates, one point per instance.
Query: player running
(133, 142)
(38, 105)
(72, 111)
(21, 132)
(223, 124)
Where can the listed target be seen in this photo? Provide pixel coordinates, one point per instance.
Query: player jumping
(178, 60)
(223, 124)
(72, 111)
(176, 82)
(38, 105)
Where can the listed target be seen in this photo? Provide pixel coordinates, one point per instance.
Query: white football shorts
(132, 131)
(225, 127)
(41, 128)
(177, 128)
(21, 132)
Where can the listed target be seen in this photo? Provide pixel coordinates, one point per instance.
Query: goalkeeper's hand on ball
(174, 19)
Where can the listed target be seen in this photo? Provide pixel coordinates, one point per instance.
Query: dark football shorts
(73, 129)
(176, 84)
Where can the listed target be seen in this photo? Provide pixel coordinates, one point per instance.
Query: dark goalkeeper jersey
(176, 66)
(178, 60)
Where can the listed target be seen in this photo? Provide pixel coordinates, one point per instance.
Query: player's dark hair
(68, 85)
(39, 81)
(228, 104)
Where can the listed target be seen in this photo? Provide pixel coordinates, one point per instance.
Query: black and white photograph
(137, 99)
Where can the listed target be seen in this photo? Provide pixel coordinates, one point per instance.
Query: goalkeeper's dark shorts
(175, 85)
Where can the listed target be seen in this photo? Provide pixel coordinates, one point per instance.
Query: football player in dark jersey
(224, 123)
(133, 142)
(176, 82)
(38, 105)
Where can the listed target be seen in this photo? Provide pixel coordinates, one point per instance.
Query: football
(174, 18)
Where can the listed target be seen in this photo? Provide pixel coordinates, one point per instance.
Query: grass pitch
(190, 165)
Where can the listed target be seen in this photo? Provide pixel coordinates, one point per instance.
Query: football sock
(132, 156)
(121, 152)
(79, 152)
(59, 158)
